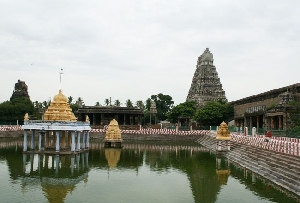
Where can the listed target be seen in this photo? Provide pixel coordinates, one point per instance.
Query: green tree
(187, 109)
(117, 103)
(106, 102)
(140, 104)
(214, 113)
(16, 109)
(164, 103)
(70, 100)
(129, 103)
(45, 104)
(97, 104)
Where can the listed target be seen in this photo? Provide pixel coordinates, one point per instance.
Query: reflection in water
(58, 175)
(112, 156)
(223, 170)
(184, 172)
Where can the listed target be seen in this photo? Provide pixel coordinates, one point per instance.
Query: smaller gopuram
(59, 132)
(113, 135)
(223, 135)
(21, 90)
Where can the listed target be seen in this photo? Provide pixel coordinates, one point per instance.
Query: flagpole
(60, 73)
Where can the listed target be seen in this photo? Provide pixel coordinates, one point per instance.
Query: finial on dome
(60, 73)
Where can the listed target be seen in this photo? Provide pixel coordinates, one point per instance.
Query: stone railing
(284, 145)
(10, 127)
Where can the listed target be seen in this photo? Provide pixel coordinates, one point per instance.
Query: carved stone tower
(21, 90)
(206, 85)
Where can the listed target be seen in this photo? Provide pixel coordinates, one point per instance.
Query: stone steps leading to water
(280, 168)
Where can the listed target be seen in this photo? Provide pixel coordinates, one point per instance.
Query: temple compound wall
(267, 111)
(100, 116)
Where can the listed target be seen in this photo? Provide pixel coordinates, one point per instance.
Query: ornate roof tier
(59, 109)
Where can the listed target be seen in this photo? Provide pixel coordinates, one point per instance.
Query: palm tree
(117, 103)
(140, 104)
(106, 102)
(80, 102)
(45, 104)
(70, 99)
(129, 103)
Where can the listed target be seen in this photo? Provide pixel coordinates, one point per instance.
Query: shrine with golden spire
(59, 132)
(113, 135)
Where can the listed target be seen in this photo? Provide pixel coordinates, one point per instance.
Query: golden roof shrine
(113, 132)
(223, 132)
(59, 109)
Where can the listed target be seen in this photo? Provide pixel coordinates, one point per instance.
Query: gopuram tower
(206, 85)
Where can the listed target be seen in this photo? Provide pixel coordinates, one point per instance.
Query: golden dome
(59, 109)
(60, 98)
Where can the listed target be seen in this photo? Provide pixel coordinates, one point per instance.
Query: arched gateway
(59, 132)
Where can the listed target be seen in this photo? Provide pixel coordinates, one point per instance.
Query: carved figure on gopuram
(206, 85)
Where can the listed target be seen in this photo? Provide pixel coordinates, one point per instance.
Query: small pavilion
(59, 132)
(113, 137)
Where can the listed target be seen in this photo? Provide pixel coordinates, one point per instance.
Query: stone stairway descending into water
(280, 168)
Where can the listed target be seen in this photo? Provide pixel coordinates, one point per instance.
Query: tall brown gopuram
(206, 85)
(21, 90)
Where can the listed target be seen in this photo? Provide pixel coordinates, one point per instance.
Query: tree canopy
(164, 103)
(187, 109)
(214, 113)
(16, 109)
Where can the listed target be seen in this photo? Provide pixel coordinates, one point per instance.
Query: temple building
(127, 117)
(268, 111)
(206, 85)
(59, 132)
(21, 90)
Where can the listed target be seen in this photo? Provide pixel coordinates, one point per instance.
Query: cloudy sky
(133, 49)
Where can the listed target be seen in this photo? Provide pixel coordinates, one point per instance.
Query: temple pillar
(73, 142)
(54, 138)
(57, 148)
(25, 141)
(63, 139)
(78, 141)
(69, 138)
(272, 123)
(124, 119)
(94, 119)
(257, 122)
(250, 122)
(32, 144)
(40, 141)
(47, 139)
(101, 119)
(280, 122)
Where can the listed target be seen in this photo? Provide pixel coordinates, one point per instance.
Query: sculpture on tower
(206, 85)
